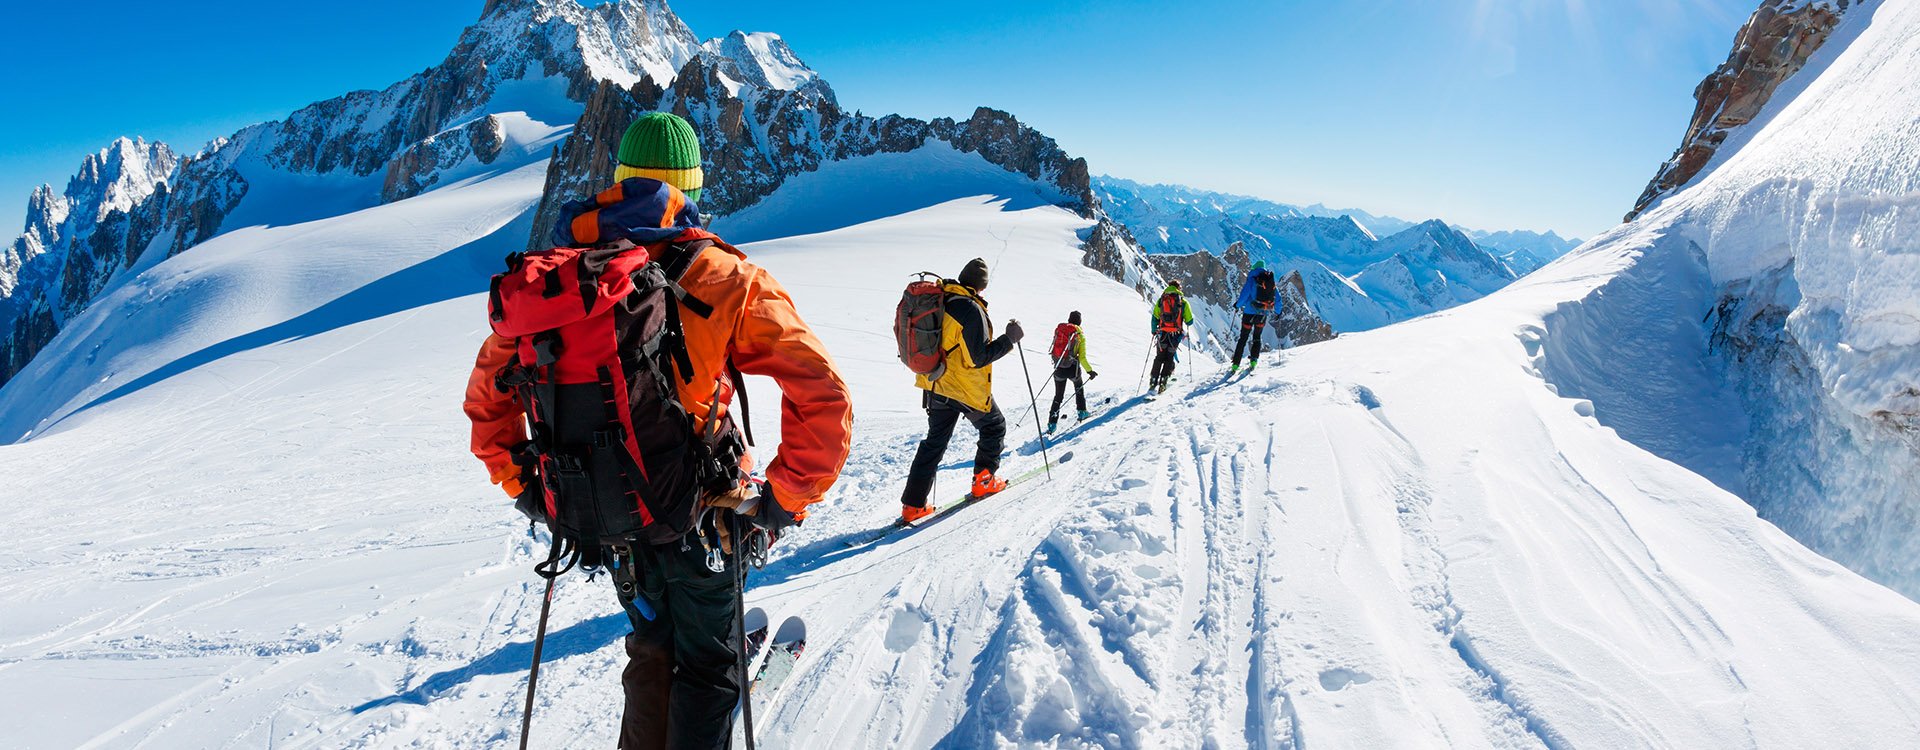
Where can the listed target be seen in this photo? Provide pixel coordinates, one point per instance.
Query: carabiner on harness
(709, 537)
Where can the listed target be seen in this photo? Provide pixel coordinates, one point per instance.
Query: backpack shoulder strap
(674, 264)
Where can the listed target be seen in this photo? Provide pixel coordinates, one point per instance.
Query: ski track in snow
(1398, 539)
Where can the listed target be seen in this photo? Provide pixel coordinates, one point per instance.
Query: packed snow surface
(253, 522)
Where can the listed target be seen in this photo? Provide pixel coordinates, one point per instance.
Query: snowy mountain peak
(44, 210)
(116, 178)
(618, 41)
(764, 60)
(121, 175)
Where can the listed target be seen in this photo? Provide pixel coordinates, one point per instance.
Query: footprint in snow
(1365, 396)
(1339, 678)
(904, 630)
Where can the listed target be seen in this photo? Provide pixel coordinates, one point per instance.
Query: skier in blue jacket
(1256, 301)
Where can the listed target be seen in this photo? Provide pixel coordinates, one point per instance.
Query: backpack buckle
(609, 438)
(567, 465)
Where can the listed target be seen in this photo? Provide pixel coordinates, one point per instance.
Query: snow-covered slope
(1362, 271)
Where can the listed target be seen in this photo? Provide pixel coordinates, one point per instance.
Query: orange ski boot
(985, 483)
(909, 514)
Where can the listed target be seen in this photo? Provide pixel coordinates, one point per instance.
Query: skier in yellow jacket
(964, 390)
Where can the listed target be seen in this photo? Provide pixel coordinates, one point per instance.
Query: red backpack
(1063, 339)
(600, 351)
(1170, 312)
(919, 323)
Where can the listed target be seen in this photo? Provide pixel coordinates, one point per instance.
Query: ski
(755, 623)
(756, 627)
(964, 501)
(788, 643)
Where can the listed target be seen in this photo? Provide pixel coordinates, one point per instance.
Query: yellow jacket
(967, 336)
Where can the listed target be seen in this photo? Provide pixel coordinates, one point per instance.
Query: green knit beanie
(664, 147)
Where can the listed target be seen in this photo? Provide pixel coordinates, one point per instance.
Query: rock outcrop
(1295, 323)
(418, 168)
(1773, 45)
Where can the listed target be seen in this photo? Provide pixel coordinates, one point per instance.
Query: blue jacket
(1245, 303)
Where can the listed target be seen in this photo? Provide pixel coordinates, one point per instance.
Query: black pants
(1060, 380)
(1252, 325)
(682, 676)
(1167, 352)
(942, 415)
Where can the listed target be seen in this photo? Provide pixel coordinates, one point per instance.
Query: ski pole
(1034, 395)
(1035, 404)
(533, 676)
(740, 625)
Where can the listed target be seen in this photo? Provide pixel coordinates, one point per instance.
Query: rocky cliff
(1773, 45)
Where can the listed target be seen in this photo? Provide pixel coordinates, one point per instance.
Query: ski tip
(754, 619)
(794, 629)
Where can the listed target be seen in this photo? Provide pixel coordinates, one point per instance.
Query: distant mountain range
(1361, 270)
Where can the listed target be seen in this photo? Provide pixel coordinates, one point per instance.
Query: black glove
(532, 501)
(766, 514)
(1091, 374)
(1014, 333)
(771, 515)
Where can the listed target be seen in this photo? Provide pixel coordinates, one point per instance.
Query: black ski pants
(1252, 326)
(682, 678)
(942, 415)
(1060, 379)
(1166, 353)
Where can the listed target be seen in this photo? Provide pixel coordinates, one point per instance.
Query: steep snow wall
(1804, 234)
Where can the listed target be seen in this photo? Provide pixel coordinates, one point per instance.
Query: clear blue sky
(1538, 114)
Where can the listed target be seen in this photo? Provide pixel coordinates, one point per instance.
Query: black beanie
(1074, 317)
(974, 275)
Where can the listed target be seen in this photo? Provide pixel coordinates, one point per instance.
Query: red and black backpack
(919, 326)
(1169, 312)
(600, 350)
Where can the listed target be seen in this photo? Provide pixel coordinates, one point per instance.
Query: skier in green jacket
(1069, 361)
